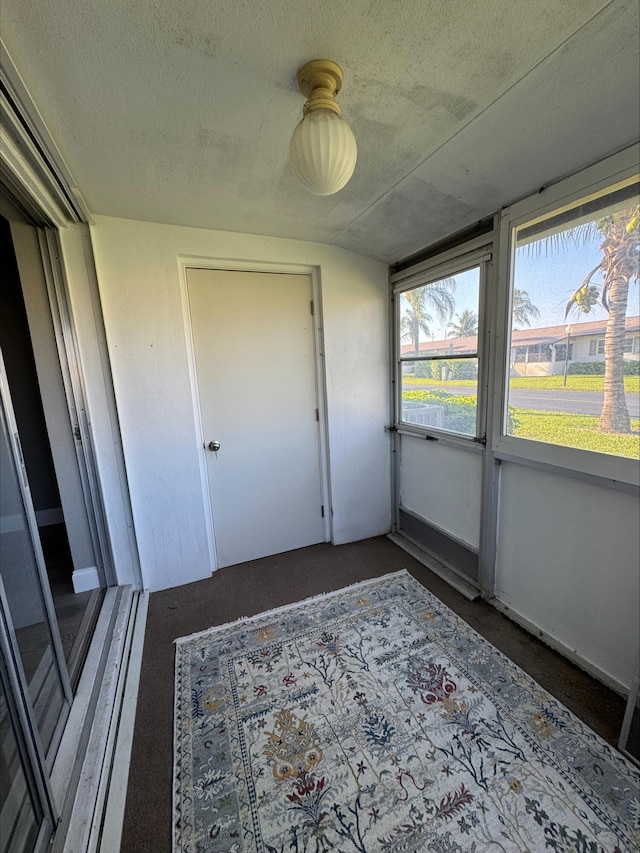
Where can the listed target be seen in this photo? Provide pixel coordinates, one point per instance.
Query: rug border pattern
(182, 742)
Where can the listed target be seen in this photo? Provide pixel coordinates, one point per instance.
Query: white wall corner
(85, 579)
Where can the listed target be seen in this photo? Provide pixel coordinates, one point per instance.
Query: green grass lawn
(569, 430)
(574, 383)
(540, 383)
(580, 431)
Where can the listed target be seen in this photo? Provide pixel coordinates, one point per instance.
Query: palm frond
(561, 241)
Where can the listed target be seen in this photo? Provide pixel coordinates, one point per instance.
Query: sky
(549, 277)
(550, 280)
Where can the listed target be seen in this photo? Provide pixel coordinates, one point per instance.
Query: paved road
(576, 402)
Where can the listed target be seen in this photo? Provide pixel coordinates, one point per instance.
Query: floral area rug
(374, 719)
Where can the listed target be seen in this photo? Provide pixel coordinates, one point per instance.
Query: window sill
(469, 443)
(614, 472)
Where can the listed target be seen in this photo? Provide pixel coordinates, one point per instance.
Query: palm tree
(410, 327)
(416, 318)
(466, 326)
(522, 309)
(620, 246)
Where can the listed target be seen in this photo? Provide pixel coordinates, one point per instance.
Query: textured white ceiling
(181, 112)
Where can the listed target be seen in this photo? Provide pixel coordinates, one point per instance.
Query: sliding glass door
(26, 590)
(36, 694)
(23, 820)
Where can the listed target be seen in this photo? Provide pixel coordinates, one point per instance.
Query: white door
(253, 340)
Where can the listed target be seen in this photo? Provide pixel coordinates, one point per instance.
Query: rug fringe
(323, 596)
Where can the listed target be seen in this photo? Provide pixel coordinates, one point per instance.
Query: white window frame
(620, 169)
(474, 253)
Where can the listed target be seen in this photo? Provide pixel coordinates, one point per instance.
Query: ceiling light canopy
(323, 149)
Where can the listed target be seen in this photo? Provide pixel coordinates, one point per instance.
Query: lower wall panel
(567, 562)
(442, 484)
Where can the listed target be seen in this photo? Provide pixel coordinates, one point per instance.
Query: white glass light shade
(323, 152)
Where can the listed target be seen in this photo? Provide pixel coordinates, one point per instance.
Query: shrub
(587, 368)
(463, 369)
(596, 368)
(446, 369)
(423, 369)
(459, 412)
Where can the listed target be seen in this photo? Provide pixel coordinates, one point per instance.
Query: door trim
(186, 262)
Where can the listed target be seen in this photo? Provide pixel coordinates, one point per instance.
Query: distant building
(542, 352)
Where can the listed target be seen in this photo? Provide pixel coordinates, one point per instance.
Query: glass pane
(573, 360)
(18, 564)
(440, 319)
(76, 612)
(19, 822)
(446, 399)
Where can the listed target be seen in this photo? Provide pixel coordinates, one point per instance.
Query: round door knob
(214, 446)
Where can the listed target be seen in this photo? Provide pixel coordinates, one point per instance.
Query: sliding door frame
(22, 726)
(42, 193)
(28, 736)
(73, 381)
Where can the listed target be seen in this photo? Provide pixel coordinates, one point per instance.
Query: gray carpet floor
(260, 585)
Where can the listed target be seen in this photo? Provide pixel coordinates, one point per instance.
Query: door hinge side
(311, 309)
(322, 510)
(317, 415)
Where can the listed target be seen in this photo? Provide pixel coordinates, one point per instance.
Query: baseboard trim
(85, 579)
(566, 651)
(444, 572)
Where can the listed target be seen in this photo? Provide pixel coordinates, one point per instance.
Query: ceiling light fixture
(323, 149)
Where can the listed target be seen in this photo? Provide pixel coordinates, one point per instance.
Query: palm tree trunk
(416, 335)
(615, 414)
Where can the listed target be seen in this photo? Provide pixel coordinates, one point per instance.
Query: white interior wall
(138, 276)
(567, 564)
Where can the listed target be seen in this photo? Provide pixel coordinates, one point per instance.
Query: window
(572, 266)
(561, 352)
(629, 346)
(437, 334)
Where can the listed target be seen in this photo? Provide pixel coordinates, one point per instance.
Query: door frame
(186, 262)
